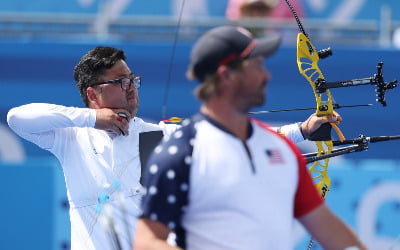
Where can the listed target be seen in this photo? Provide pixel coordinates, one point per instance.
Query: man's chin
(133, 110)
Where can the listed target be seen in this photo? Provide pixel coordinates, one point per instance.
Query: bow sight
(381, 87)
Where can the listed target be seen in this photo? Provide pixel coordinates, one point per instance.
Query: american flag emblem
(274, 156)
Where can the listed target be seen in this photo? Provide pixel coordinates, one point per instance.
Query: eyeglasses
(124, 82)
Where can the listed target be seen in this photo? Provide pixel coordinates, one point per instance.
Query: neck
(228, 116)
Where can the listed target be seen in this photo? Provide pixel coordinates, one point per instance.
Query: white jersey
(216, 191)
(101, 172)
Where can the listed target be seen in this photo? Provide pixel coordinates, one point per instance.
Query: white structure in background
(191, 8)
(11, 148)
(344, 11)
(396, 38)
(368, 211)
(184, 10)
(109, 10)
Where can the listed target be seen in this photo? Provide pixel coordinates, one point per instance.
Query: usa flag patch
(274, 156)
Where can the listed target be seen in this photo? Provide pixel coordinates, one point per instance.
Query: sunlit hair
(92, 67)
(208, 88)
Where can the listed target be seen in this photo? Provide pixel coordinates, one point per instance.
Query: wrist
(300, 124)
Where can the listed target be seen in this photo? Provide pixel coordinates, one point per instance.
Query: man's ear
(224, 73)
(92, 95)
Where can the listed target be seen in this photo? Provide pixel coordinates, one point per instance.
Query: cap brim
(266, 46)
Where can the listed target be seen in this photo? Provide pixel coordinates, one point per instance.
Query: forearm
(43, 117)
(154, 244)
(152, 235)
(329, 230)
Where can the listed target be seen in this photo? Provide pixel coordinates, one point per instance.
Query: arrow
(336, 106)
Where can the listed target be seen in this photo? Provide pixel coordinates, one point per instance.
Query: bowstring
(172, 58)
(299, 23)
(301, 28)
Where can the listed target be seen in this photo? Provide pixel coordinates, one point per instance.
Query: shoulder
(141, 125)
(268, 129)
(145, 126)
(264, 126)
(177, 146)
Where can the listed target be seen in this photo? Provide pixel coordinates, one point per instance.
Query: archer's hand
(313, 122)
(109, 120)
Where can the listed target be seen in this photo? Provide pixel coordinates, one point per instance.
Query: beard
(258, 98)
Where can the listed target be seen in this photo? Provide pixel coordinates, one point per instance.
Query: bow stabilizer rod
(363, 138)
(312, 157)
(358, 144)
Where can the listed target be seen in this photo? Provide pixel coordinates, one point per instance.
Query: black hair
(93, 65)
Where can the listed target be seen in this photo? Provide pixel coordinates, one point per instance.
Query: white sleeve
(291, 131)
(168, 129)
(37, 122)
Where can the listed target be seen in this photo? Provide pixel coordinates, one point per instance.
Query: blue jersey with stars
(216, 191)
